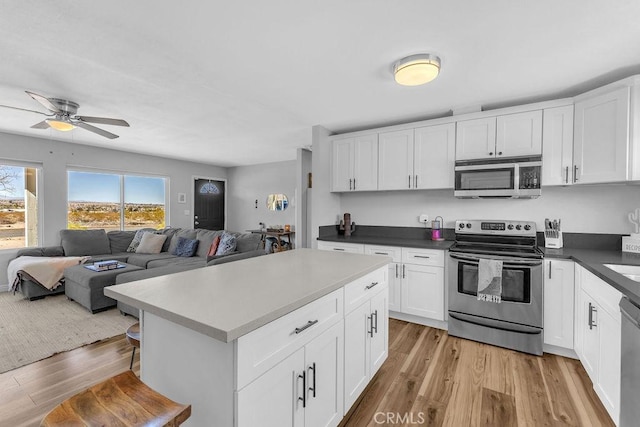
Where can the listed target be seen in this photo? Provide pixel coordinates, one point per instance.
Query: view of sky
(15, 180)
(98, 187)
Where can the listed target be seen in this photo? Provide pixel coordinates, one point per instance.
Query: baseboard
(560, 351)
(438, 324)
(4, 288)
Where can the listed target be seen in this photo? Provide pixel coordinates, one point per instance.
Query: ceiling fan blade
(24, 109)
(94, 129)
(45, 102)
(42, 125)
(102, 120)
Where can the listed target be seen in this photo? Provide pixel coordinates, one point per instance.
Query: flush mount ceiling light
(60, 125)
(416, 70)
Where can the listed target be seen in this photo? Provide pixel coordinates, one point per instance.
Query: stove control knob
(468, 225)
(461, 225)
(510, 226)
(518, 227)
(527, 227)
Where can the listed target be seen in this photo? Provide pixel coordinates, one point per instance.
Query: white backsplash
(582, 208)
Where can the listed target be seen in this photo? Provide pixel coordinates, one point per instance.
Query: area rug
(34, 330)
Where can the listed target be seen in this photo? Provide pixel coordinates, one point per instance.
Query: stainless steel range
(512, 317)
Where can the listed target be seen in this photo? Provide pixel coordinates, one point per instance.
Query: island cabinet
(509, 135)
(354, 248)
(366, 333)
(354, 163)
(420, 158)
(598, 335)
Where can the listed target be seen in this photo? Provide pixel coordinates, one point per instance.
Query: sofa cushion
(137, 238)
(151, 243)
(169, 232)
(178, 260)
(186, 247)
(246, 242)
(84, 242)
(186, 233)
(206, 237)
(142, 260)
(227, 244)
(119, 241)
(41, 251)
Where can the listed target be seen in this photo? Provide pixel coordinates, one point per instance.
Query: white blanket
(48, 271)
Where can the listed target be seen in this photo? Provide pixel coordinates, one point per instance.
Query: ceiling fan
(63, 116)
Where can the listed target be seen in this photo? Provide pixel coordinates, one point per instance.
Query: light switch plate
(187, 212)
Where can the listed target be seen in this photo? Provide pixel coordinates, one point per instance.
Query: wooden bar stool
(122, 400)
(133, 338)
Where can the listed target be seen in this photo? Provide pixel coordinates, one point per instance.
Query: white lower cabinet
(598, 335)
(366, 344)
(354, 248)
(558, 302)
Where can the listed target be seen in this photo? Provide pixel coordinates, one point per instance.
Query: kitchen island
(245, 342)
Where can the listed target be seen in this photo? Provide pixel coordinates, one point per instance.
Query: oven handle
(512, 261)
(490, 323)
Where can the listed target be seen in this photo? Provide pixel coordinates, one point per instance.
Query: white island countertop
(229, 300)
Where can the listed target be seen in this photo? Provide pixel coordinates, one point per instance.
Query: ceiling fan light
(60, 125)
(416, 70)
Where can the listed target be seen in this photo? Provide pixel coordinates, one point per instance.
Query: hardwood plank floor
(429, 379)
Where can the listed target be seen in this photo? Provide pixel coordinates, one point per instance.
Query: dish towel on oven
(490, 280)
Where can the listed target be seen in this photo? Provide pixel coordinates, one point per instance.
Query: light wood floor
(428, 379)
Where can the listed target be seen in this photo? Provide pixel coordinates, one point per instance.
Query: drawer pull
(371, 285)
(421, 256)
(309, 324)
(338, 249)
(381, 253)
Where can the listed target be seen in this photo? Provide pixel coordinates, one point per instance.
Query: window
(115, 202)
(18, 206)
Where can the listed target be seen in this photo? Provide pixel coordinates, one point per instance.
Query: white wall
(303, 225)
(56, 156)
(250, 183)
(325, 205)
(583, 209)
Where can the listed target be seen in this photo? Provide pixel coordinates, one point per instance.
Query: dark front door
(208, 201)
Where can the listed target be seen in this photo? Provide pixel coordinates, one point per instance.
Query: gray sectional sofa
(101, 245)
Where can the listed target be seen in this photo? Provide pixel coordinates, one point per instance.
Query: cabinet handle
(592, 309)
(338, 249)
(354, 183)
(549, 269)
(566, 175)
(491, 153)
(370, 331)
(499, 153)
(396, 271)
(409, 181)
(304, 388)
(350, 183)
(403, 271)
(381, 253)
(415, 182)
(375, 328)
(421, 256)
(309, 324)
(575, 173)
(313, 369)
(371, 285)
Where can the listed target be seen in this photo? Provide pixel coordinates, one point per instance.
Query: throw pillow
(227, 244)
(186, 247)
(136, 239)
(151, 243)
(214, 246)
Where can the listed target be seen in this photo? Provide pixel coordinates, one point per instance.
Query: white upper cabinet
(354, 163)
(395, 160)
(557, 146)
(601, 138)
(509, 135)
(421, 158)
(434, 156)
(476, 139)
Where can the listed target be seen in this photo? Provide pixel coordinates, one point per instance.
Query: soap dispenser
(436, 229)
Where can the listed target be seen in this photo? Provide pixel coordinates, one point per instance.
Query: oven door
(521, 289)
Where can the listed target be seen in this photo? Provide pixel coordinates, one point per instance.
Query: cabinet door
(590, 339)
(379, 346)
(272, 399)
(395, 282)
(324, 364)
(519, 134)
(558, 303)
(557, 146)
(476, 139)
(608, 385)
(423, 291)
(602, 138)
(365, 163)
(395, 157)
(357, 328)
(434, 156)
(342, 164)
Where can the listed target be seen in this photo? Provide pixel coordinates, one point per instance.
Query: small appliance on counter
(632, 243)
(436, 229)
(552, 234)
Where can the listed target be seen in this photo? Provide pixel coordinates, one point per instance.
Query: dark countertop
(593, 260)
(390, 241)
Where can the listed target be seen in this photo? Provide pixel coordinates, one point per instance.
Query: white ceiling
(242, 82)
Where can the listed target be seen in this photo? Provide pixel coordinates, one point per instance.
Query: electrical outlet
(424, 218)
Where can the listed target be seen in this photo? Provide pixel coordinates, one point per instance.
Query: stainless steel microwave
(515, 178)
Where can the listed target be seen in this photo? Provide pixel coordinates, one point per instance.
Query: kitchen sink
(630, 271)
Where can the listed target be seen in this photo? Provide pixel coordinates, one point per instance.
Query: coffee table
(86, 287)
